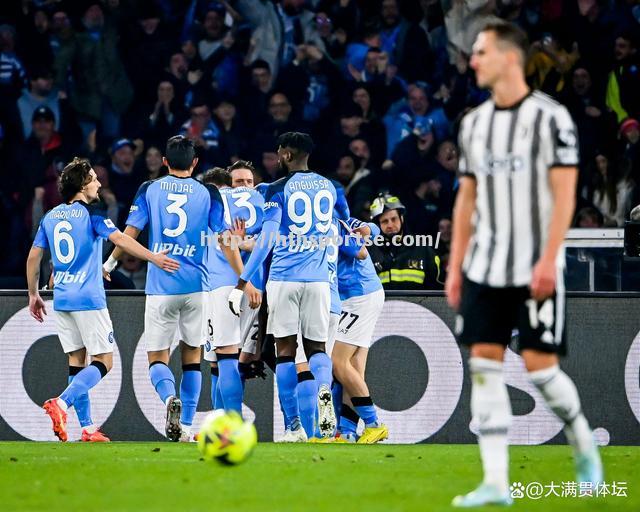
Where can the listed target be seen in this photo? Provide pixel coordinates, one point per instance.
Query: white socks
(90, 428)
(491, 411)
(561, 395)
(63, 405)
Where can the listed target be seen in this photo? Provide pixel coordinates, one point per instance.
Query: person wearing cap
(399, 266)
(38, 161)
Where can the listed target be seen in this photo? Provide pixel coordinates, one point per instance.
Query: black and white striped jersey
(509, 152)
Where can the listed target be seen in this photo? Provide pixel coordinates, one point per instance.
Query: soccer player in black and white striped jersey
(516, 200)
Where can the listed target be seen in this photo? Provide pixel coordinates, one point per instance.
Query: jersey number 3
(178, 201)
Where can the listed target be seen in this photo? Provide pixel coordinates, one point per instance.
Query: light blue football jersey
(239, 203)
(180, 212)
(355, 277)
(303, 203)
(74, 233)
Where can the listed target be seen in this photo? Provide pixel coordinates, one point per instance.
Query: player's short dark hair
(511, 34)
(180, 152)
(75, 175)
(241, 164)
(299, 143)
(217, 176)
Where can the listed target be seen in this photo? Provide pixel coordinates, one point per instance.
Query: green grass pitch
(310, 478)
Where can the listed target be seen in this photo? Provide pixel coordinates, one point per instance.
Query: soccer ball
(227, 438)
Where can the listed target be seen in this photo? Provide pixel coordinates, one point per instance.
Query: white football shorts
(358, 319)
(164, 314)
(298, 307)
(85, 329)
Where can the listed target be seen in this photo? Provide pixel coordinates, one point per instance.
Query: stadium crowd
(380, 85)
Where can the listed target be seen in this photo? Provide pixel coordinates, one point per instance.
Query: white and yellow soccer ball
(227, 438)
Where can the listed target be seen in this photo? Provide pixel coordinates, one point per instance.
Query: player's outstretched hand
(235, 298)
(543, 280)
(161, 260)
(37, 308)
(453, 289)
(255, 296)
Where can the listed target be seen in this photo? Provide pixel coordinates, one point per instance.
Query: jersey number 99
(303, 221)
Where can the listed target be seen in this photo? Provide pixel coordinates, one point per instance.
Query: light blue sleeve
(41, 238)
(264, 244)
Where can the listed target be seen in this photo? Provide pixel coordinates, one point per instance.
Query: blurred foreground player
(74, 231)
(518, 165)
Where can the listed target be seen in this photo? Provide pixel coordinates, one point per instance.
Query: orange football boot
(58, 418)
(94, 437)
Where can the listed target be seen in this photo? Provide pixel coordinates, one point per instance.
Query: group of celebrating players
(205, 288)
(516, 196)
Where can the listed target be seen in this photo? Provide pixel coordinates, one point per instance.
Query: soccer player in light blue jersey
(362, 299)
(299, 205)
(73, 231)
(243, 207)
(180, 211)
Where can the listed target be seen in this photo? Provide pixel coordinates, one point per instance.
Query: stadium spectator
(588, 217)
(630, 150)
(549, 64)
(401, 120)
(167, 116)
(177, 73)
(39, 160)
(148, 45)
(588, 110)
(123, 178)
(255, 94)
(406, 45)
(153, 162)
(624, 79)
(401, 266)
(35, 27)
(40, 93)
(612, 194)
(447, 157)
(233, 134)
(413, 158)
(424, 206)
(201, 128)
(12, 80)
(278, 29)
(357, 183)
(100, 90)
(135, 270)
(220, 65)
(311, 82)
